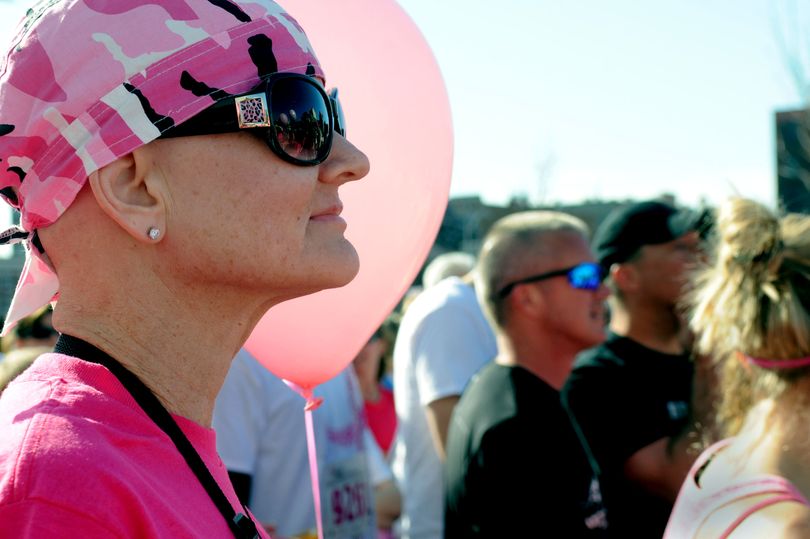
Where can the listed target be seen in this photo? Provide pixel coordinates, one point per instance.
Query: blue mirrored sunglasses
(585, 276)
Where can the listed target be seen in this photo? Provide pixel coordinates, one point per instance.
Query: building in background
(793, 160)
(467, 219)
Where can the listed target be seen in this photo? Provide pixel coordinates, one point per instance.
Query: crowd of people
(684, 389)
(645, 379)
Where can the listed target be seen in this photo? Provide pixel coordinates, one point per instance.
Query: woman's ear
(132, 192)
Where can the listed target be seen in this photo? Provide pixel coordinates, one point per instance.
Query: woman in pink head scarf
(165, 205)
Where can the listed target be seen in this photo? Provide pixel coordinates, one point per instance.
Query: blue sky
(614, 99)
(567, 101)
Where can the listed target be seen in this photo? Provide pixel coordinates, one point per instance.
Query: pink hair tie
(779, 363)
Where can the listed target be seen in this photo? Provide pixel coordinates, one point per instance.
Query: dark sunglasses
(585, 276)
(291, 113)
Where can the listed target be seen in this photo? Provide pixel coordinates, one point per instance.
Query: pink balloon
(397, 112)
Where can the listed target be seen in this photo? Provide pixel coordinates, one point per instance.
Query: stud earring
(153, 233)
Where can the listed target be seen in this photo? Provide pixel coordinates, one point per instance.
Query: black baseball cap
(625, 230)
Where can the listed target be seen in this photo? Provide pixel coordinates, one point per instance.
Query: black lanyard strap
(240, 524)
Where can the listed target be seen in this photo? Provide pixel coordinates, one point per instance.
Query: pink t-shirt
(79, 457)
(382, 418)
(695, 504)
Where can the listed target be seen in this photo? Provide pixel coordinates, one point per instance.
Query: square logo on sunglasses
(251, 111)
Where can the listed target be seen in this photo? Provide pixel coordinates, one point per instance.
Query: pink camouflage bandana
(87, 81)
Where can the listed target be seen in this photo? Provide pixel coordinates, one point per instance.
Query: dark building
(468, 219)
(793, 160)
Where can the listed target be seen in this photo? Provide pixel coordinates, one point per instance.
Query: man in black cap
(631, 395)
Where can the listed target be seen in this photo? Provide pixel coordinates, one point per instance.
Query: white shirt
(443, 340)
(261, 432)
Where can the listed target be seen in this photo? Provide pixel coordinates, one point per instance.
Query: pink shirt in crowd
(695, 504)
(382, 419)
(78, 455)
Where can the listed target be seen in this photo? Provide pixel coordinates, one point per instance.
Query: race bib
(348, 501)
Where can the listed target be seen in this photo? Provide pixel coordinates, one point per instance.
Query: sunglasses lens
(290, 113)
(586, 276)
(301, 119)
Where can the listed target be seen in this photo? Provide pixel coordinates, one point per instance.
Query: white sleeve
(239, 416)
(448, 350)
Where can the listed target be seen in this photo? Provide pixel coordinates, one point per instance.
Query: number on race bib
(349, 503)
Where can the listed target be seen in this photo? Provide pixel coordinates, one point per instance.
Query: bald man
(543, 294)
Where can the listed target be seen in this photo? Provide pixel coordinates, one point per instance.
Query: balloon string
(313, 403)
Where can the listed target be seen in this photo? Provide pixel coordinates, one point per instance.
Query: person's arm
(387, 499)
(658, 464)
(452, 346)
(623, 430)
(661, 467)
(388, 504)
(438, 418)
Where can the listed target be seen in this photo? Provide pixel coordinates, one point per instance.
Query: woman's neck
(182, 359)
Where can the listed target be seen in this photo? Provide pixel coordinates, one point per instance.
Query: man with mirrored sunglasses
(585, 276)
(544, 297)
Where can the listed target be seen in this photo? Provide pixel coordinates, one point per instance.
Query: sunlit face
(575, 315)
(239, 215)
(663, 269)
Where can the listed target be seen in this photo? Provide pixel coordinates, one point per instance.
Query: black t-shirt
(515, 466)
(625, 396)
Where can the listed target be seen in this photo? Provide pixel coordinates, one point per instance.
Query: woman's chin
(340, 269)
(347, 269)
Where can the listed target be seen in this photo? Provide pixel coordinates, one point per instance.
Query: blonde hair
(754, 300)
(511, 243)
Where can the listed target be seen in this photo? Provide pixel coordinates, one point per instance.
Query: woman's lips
(331, 214)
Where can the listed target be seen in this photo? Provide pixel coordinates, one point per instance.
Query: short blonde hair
(754, 299)
(508, 246)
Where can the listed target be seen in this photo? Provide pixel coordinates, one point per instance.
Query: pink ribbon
(312, 404)
(778, 364)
